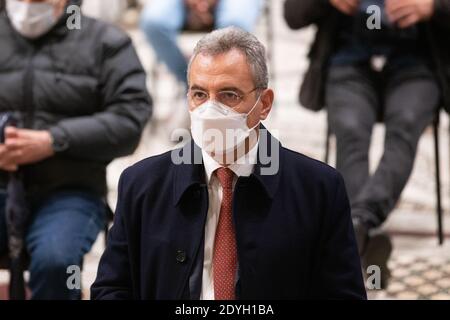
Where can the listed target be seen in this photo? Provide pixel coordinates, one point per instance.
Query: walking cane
(17, 215)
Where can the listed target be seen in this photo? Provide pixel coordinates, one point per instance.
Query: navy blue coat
(294, 234)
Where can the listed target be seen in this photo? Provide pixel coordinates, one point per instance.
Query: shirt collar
(190, 176)
(242, 167)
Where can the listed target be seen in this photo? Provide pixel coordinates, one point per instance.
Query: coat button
(181, 256)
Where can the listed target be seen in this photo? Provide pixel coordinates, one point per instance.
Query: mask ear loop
(251, 110)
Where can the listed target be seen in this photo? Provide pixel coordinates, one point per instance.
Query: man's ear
(267, 98)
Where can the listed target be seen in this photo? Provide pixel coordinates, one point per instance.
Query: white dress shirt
(242, 167)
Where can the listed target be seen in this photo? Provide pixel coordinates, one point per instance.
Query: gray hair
(226, 39)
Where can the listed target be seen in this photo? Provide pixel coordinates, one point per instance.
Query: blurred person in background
(163, 20)
(81, 98)
(397, 73)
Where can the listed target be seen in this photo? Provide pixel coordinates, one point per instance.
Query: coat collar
(190, 175)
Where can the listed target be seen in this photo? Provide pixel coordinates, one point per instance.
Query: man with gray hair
(209, 221)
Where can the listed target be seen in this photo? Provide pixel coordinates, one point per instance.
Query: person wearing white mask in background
(223, 229)
(33, 19)
(80, 99)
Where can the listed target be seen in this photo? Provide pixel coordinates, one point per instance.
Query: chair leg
(16, 281)
(154, 80)
(327, 145)
(106, 230)
(109, 218)
(440, 230)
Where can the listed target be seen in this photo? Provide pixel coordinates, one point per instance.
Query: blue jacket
(294, 233)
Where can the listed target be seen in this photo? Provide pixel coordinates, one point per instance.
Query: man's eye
(199, 95)
(230, 96)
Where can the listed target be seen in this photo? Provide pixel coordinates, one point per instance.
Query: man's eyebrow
(232, 89)
(197, 87)
(235, 89)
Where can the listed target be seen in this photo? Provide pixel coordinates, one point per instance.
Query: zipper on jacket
(28, 92)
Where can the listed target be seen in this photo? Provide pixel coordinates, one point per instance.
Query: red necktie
(225, 254)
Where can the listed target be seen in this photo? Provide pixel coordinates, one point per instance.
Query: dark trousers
(357, 97)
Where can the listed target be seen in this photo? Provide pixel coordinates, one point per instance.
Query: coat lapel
(191, 207)
(251, 203)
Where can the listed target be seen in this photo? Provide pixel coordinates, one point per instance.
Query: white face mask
(219, 130)
(31, 20)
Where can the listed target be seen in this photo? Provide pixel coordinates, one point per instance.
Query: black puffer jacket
(302, 13)
(87, 87)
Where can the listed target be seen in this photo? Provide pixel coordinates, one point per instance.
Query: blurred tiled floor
(419, 275)
(420, 267)
(420, 278)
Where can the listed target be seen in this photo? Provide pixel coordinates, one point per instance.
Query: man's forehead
(230, 68)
